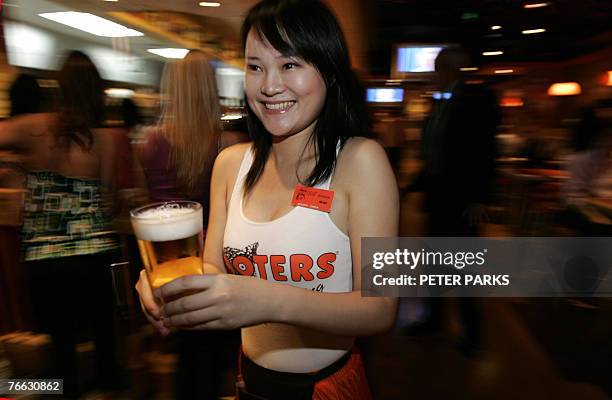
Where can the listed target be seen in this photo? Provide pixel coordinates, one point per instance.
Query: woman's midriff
(287, 348)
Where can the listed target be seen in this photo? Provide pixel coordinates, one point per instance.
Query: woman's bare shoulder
(361, 154)
(227, 164)
(232, 156)
(362, 164)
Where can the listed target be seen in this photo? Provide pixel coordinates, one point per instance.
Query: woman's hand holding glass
(217, 301)
(210, 301)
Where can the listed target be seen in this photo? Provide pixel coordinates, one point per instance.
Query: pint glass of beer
(170, 239)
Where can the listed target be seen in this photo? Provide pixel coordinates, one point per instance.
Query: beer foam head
(167, 222)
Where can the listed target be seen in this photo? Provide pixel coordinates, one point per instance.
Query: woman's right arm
(224, 170)
(217, 217)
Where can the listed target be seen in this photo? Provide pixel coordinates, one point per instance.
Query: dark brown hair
(81, 105)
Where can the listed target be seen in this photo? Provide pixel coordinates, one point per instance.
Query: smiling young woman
(285, 271)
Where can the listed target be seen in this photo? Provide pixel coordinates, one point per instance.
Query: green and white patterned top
(63, 217)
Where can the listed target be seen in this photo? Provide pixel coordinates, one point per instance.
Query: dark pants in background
(72, 301)
(449, 219)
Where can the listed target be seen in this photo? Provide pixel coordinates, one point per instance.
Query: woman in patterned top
(67, 244)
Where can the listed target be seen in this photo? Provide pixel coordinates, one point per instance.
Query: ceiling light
(493, 53)
(536, 5)
(495, 27)
(564, 89)
(209, 4)
(91, 24)
(465, 69)
(532, 31)
(170, 52)
(504, 71)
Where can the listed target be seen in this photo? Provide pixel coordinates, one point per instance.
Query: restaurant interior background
(546, 61)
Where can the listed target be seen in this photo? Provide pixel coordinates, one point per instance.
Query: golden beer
(170, 240)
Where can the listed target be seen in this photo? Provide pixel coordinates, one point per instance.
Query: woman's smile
(278, 107)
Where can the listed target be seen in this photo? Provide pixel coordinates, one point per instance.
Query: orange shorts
(349, 382)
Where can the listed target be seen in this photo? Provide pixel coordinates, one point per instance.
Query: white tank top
(302, 248)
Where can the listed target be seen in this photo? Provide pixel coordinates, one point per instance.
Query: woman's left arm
(373, 211)
(230, 301)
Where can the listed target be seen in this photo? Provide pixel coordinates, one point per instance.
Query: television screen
(385, 95)
(417, 58)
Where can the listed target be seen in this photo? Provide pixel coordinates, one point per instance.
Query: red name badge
(317, 199)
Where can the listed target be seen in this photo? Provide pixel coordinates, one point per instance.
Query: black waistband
(272, 384)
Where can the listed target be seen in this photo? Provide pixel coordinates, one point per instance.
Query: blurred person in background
(389, 130)
(132, 187)
(125, 163)
(458, 150)
(67, 245)
(590, 166)
(128, 194)
(178, 153)
(177, 158)
(603, 112)
(26, 96)
(590, 142)
(132, 119)
(458, 171)
(307, 117)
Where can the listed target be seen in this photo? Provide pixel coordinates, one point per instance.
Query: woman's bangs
(273, 32)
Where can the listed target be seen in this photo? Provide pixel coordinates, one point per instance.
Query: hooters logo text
(296, 267)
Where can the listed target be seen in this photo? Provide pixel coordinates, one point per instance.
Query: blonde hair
(190, 117)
